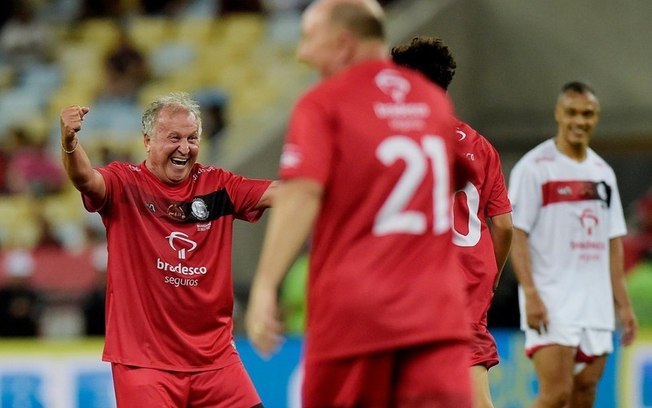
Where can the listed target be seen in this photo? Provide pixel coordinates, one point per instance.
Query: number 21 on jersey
(420, 157)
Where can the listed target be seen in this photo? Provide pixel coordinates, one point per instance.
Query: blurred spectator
(638, 243)
(293, 295)
(94, 305)
(169, 8)
(241, 6)
(639, 285)
(213, 104)
(31, 168)
(20, 305)
(126, 70)
(26, 39)
(638, 259)
(5, 157)
(106, 8)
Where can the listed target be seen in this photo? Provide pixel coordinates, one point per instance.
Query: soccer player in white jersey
(567, 255)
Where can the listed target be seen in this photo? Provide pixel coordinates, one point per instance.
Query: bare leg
(554, 367)
(480, 385)
(586, 383)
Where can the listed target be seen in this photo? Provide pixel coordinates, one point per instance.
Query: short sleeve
(525, 195)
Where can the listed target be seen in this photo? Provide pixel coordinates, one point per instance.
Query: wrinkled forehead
(176, 119)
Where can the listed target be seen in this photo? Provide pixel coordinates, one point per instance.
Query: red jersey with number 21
(378, 137)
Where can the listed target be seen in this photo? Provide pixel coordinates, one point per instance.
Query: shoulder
(201, 171)
(122, 168)
(541, 154)
(598, 161)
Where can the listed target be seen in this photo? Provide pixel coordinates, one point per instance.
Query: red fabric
(169, 284)
(486, 194)
(222, 388)
(376, 280)
(428, 375)
(483, 347)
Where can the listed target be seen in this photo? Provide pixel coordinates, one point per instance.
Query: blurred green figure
(293, 296)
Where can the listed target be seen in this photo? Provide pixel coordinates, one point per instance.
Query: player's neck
(576, 152)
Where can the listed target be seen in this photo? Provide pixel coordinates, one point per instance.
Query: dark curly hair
(428, 55)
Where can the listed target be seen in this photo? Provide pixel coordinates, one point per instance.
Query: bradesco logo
(183, 245)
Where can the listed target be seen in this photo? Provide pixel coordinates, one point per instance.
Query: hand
(263, 327)
(71, 122)
(536, 312)
(629, 325)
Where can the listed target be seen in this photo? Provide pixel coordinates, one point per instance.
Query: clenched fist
(71, 123)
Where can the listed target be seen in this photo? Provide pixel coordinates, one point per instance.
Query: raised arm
(75, 160)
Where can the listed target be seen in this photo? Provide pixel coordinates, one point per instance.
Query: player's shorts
(433, 375)
(590, 343)
(483, 347)
(227, 387)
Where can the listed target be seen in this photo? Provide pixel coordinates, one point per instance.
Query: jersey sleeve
(525, 195)
(245, 193)
(308, 148)
(111, 174)
(498, 202)
(618, 227)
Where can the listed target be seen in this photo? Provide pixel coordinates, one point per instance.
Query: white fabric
(568, 240)
(590, 342)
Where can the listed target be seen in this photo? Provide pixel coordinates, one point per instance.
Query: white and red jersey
(570, 210)
(378, 137)
(169, 285)
(484, 196)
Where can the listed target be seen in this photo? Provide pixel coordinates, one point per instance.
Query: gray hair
(177, 101)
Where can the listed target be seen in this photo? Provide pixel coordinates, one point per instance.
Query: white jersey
(570, 210)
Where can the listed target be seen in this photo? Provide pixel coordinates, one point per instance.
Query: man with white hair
(368, 161)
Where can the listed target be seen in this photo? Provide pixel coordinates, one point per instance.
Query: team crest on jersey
(199, 209)
(589, 221)
(176, 211)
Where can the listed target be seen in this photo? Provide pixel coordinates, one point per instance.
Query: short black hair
(577, 86)
(428, 55)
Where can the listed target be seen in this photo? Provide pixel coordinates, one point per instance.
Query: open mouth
(179, 162)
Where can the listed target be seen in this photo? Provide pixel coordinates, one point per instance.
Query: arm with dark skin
(535, 310)
(501, 236)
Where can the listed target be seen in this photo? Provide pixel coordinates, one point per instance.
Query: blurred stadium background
(237, 58)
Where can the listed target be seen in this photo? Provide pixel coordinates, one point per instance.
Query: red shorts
(483, 347)
(431, 375)
(227, 387)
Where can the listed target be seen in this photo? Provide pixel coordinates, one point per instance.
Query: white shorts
(590, 343)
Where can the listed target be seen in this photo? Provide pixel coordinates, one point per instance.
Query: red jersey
(169, 285)
(378, 137)
(484, 196)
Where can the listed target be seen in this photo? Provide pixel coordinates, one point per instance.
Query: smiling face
(577, 116)
(173, 149)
